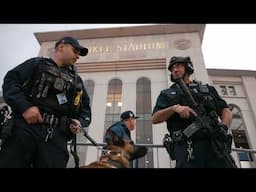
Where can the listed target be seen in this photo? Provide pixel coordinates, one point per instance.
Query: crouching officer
(174, 107)
(43, 94)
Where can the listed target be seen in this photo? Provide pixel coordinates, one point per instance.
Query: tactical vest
(203, 96)
(53, 88)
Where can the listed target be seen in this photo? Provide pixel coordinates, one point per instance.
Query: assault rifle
(209, 123)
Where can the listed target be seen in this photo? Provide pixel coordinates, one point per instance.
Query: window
(239, 133)
(232, 90)
(114, 103)
(238, 128)
(244, 156)
(227, 90)
(144, 125)
(89, 86)
(223, 90)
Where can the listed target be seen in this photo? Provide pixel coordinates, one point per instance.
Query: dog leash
(89, 137)
(73, 150)
(73, 146)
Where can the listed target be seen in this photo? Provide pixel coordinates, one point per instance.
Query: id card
(62, 98)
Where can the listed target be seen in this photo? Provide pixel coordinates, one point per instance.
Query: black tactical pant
(27, 148)
(204, 156)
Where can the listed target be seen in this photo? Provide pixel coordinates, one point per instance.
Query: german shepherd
(114, 157)
(118, 157)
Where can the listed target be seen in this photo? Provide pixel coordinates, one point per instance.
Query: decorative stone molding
(182, 44)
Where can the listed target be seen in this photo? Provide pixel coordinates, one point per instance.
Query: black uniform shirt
(15, 95)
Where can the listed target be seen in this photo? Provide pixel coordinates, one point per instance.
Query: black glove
(228, 137)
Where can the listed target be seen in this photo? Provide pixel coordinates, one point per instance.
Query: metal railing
(248, 160)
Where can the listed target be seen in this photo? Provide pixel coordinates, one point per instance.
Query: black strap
(73, 150)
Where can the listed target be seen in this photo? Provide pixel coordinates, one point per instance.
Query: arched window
(114, 103)
(89, 86)
(239, 132)
(238, 127)
(144, 125)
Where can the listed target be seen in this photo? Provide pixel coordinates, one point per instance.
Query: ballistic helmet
(186, 61)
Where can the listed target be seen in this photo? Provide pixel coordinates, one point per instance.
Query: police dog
(114, 157)
(119, 156)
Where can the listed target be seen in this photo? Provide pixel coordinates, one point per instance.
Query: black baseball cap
(127, 115)
(72, 41)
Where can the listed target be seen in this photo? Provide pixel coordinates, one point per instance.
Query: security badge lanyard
(61, 97)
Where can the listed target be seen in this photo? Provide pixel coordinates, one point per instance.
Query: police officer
(173, 107)
(120, 132)
(50, 104)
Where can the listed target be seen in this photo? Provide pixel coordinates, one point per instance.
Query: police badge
(59, 84)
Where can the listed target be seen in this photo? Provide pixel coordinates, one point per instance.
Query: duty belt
(177, 136)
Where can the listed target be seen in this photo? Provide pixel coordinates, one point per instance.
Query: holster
(169, 145)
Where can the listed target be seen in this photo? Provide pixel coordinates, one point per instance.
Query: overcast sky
(225, 46)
